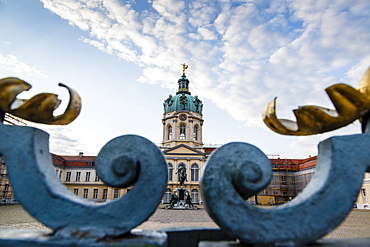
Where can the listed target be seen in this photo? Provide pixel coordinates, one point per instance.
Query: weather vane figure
(184, 67)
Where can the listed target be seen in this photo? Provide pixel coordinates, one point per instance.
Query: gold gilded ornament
(184, 67)
(350, 104)
(39, 108)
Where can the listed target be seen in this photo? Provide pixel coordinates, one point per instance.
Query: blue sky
(123, 57)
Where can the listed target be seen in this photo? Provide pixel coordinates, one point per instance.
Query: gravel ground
(171, 218)
(167, 216)
(355, 226)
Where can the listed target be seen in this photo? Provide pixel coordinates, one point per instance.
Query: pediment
(182, 149)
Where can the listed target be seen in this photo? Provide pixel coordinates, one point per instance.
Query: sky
(124, 59)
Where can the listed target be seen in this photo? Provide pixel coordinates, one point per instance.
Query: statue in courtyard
(188, 201)
(181, 173)
(174, 199)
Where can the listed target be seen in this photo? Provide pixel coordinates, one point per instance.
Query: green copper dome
(183, 100)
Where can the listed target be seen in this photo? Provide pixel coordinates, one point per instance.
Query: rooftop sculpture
(184, 67)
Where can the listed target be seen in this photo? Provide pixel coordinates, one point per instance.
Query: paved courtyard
(357, 224)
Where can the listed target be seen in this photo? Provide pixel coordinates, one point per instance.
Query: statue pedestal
(182, 194)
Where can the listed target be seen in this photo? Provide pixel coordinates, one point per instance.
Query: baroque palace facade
(182, 146)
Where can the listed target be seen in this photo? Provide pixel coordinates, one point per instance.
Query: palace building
(182, 145)
(182, 142)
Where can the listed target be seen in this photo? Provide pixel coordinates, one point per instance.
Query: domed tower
(182, 118)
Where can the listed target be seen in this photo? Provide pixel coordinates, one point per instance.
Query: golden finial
(39, 108)
(184, 67)
(350, 104)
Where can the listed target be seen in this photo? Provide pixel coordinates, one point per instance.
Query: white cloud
(308, 145)
(169, 8)
(101, 46)
(61, 141)
(241, 54)
(206, 33)
(12, 63)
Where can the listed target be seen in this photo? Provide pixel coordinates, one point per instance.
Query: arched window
(167, 196)
(182, 131)
(194, 196)
(194, 172)
(195, 133)
(169, 132)
(170, 171)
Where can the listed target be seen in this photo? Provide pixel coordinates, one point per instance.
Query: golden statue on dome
(184, 67)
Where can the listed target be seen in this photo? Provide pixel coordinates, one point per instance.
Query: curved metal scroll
(39, 108)
(33, 179)
(350, 105)
(237, 169)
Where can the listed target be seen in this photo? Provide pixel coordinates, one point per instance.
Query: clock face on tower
(183, 117)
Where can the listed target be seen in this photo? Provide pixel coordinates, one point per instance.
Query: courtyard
(355, 226)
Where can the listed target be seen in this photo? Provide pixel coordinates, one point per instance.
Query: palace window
(115, 193)
(5, 191)
(86, 192)
(78, 175)
(364, 195)
(75, 191)
(170, 171)
(95, 194)
(283, 180)
(194, 196)
(182, 132)
(105, 192)
(87, 177)
(68, 176)
(97, 177)
(194, 172)
(196, 133)
(169, 132)
(167, 196)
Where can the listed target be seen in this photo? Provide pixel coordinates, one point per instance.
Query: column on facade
(200, 132)
(201, 164)
(164, 131)
(188, 173)
(176, 133)
(191, 130)
(188, 131)
(175, 169)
